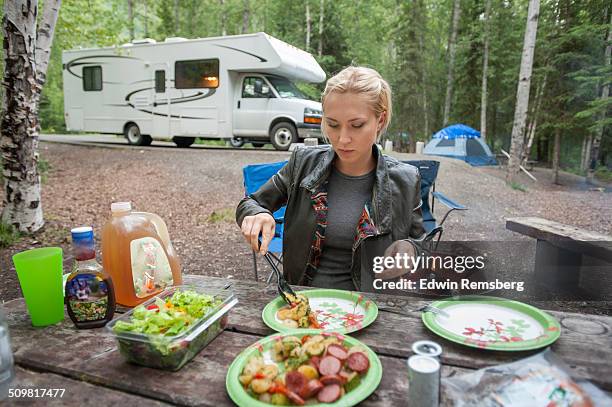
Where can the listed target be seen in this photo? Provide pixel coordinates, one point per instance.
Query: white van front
(271, 109)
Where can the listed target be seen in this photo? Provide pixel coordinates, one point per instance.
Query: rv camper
(235, 87)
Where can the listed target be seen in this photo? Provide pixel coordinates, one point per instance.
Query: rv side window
(160, 81)
(200, 73)
(92, 78)
(255, 87)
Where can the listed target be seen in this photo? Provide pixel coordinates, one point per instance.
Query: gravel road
(196, 190)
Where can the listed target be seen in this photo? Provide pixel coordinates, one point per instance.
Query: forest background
(409, 43)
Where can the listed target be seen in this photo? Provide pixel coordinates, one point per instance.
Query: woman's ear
(381, 120)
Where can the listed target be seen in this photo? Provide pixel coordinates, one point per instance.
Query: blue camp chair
(429, 172)
(255, 176)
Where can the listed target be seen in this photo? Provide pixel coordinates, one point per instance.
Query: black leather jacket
(394, 212)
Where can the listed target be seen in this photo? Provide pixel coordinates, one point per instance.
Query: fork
(281, 284)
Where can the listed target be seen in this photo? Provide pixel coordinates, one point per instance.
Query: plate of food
(492, 323)
(304, 367)
(321, 308)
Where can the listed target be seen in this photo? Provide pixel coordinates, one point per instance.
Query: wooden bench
(563, 251)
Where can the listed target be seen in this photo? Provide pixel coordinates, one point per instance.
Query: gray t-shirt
(346, 198)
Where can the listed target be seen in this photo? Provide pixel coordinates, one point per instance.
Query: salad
(158, 332)
(311, 369)
(298, 314)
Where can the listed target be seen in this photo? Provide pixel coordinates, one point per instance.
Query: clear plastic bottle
(7, 372)
(89, 293)
(138, 254)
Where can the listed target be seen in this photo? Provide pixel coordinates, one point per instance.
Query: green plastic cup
(40, 275)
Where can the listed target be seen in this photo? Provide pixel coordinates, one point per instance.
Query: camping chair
(429, 172)
(255, 176)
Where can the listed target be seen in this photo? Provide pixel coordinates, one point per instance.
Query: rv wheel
(282, 135)
(236, 142)
(133, 136)
(257, 145)
(183, 142)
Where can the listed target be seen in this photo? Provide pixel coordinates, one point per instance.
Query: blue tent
(461, 142)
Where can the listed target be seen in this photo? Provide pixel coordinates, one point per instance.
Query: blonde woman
(346, 203)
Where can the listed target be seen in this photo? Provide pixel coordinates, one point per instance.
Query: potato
(265, 398)
(245, 379)
(270, 371)
(316, 338)
(260, 386)
(279, 399)
(314, 348)
(284, 313)
(290, 323)
(253, 365)
(309, 371)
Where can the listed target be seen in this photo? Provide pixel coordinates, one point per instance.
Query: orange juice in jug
(138, 254)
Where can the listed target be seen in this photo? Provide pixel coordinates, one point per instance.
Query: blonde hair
(363, 81)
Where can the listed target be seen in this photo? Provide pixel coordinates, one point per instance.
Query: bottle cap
(427, 348)
(83, 242)
(121, 206)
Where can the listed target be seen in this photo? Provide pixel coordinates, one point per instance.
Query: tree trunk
(605, 93)
(26, 55)
(176, 17)
(534, 121)
(223, 18)
(131, 18)
(308, 25)
(522, 94)
(452, 45)
(556, 155)
(423, 67)
(321, 15)
(146, 19)
(246, 16)
(586, 150)
(485, 72)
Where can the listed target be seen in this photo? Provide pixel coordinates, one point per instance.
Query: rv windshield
(285, 88)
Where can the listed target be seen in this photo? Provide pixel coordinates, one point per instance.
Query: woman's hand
(252, 226)
(405, 250)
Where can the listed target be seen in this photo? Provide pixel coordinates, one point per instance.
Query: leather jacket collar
(381, 196)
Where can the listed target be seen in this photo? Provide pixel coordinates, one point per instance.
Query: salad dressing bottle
(138, 254)
(89, 293)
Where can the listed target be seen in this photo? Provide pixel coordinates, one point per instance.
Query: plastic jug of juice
(138, 254)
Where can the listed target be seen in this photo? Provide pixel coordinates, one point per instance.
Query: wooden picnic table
(88, 365)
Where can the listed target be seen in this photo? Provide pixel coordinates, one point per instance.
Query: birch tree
(223, 18)
(321, 15)
(131, 18)
(176, 17)
(452, 49)
(26, 56)
(485, 73)
(308, 26)
(522, 93)
(246, 16)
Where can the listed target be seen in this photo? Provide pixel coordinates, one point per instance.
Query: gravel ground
(196, 191)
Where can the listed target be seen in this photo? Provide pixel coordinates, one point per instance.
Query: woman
(346, 203)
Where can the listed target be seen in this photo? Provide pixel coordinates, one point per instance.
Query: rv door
(160, 109)
(251, 107)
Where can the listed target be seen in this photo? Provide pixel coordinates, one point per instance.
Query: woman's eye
(357, 126)
(333, 126)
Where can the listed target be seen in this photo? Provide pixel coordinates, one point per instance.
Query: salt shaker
(423, 381)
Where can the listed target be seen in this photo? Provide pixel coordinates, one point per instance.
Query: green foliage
(8, 235)
(604, 174)
(222, 215)
(518, 187)
(406, 41)
(43, 169)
